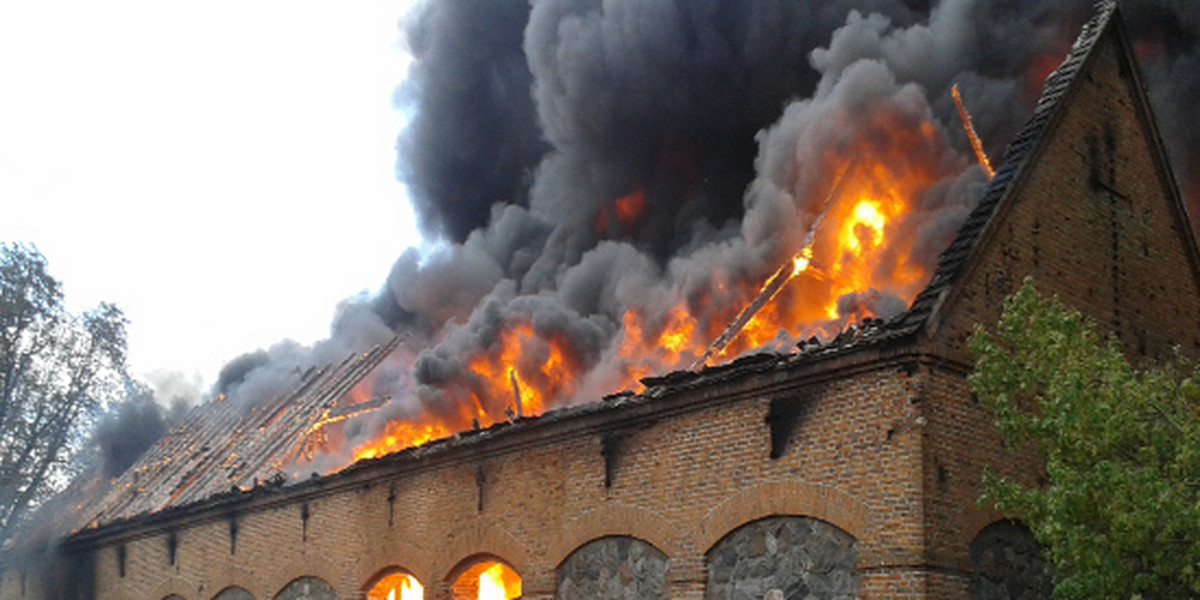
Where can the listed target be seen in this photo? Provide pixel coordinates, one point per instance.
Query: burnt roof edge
(614, 412)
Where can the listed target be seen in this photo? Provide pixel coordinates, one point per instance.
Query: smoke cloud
(598, 178)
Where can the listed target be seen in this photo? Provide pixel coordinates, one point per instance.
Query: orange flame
(863, 238)
(627, 209)
(397, 586)
(976, 143)
(400, 435)
(496, 584)
(542, 367)
(670, 342)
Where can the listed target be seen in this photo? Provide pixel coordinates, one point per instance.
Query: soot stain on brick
(172, 546)
(784, 417)
(233, 532)
(304, 514)
(610, 450)
(480, 485)
(391, 500)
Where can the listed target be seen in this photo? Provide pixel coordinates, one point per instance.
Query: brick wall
(885, 445)
(1093, 223)
(1092, 219)
(685, 471)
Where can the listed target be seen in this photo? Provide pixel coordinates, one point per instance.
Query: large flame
(860, 241)
(526, 372)
(853, 247)
(399, 435)
(498, 582)
(397, 586)
(491, 585)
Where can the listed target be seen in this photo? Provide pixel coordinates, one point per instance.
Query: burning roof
(859, 189)
(218, 448)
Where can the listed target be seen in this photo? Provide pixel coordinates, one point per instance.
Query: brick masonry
(883, 447)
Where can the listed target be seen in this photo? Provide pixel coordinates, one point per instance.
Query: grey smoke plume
(125, 430)
(476, 142)
(579, 159)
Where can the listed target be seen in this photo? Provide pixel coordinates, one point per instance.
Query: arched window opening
(1008, 563)
(614, 567)
(487, 580)
(233, 592)
(397, 585)
(307, 588)
(783, 557)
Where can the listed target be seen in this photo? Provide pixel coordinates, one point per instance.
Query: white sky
(222, 170)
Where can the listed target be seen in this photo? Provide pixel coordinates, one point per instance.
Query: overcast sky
(222, 170)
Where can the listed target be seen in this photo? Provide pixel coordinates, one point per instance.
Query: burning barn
(811, 436)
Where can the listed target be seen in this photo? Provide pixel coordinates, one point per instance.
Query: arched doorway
(395, 584)
(486, 578)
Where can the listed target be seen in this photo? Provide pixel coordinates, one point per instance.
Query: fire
(627, 209)
(625, 213)
(801, 261)
(668, 343)
(854, 252)
(526, 373)
(976, 143)
(400, 435)
(863, 228)
(397, 586)
(494, 585)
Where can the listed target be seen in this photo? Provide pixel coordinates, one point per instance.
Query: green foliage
(1120, 514)
(57, 369)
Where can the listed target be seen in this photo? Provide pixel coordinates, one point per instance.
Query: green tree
(1120, 514)
(57, 369)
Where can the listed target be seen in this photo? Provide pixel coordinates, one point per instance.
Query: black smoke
(536, 126)
(476, 142)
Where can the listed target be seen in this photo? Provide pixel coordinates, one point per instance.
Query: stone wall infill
(307, 588)
(796, 558)
(1008, 565)
(614, 568)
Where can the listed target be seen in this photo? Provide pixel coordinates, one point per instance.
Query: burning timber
(976, 143)
(215, 451)
(799, 263)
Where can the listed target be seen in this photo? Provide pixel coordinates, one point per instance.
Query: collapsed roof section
(219, 447)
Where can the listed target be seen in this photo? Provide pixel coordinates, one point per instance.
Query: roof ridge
(954, 259)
